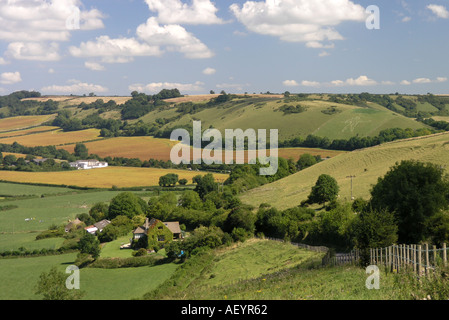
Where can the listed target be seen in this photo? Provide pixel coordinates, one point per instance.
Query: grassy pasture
(18, 278)
(15, 189)
(53, 138)
(22, 122)
(121, 177)
(366, 164)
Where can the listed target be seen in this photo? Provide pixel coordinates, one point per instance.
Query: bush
(139, 253)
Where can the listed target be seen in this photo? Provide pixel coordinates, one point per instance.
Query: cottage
(157, 232)
(88, 164)
(72, 224)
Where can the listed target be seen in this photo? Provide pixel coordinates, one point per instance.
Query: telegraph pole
(351, 176)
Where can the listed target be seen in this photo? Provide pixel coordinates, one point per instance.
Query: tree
(52, 285)
(127, 204)
(374, 229)
(168, 180)
(326, 189)
(415, 192)
(183, 182)
(306, 160)
(98, 211)
(90, 244)
(81, 150)
(205, 185)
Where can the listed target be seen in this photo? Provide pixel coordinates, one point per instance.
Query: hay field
(53, 138)
(27, 131)
(366, 164)
(144, 148)
(22, 122)
(121, 177)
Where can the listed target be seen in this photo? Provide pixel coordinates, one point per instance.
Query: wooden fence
(422, 259)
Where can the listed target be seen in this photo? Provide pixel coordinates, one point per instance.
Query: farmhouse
(99, 226)
(157, 231)
(88, 164)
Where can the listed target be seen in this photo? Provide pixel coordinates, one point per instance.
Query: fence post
(435, 255)
(419, 259)
(414, 257)
(444, 255)
(427, 259)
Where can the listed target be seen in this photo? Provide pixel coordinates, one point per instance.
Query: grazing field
(366, 165)
(269, 270)
(18, 278)
(16, 189)
(265, 112)
(53, 138)
(121, 177)
(75, 100)
(22, 122)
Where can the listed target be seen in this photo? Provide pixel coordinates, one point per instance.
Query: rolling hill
(367, 165)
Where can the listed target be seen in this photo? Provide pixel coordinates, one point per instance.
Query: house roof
(139, 230)
(173, 226)
(102, 224)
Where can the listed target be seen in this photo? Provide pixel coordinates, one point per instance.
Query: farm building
(99, 226)
(72, 224)
(88, 164)
(157, 232)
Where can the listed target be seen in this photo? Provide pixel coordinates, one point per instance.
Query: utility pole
(220, 181)
(351, 176)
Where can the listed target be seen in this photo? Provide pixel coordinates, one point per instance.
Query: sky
(114, 47)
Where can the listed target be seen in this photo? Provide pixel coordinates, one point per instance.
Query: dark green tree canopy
(127, 204)
(326, 189)
(414, 191)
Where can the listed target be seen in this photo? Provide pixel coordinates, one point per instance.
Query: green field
(16, 189)
(366, 165)
(269, 270)
(19, 276)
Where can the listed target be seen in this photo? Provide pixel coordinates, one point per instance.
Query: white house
(88, 164)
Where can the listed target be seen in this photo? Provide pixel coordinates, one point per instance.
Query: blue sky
(113, 47)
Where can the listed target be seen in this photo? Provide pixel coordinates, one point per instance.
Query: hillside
(272, 112)
(367, 165)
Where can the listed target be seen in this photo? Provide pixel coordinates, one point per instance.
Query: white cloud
(33, 51)
(422, 80)
(40, 20)
(439, 11)
(324, 54)
(406, 19)
(51, 71)
(77, 87)
(405, 83)
(3, 61)
(156, 87)
(309, 21)
(209, 71)
(120, 50)
(10, 77)
(290, 83)
(387, 83)
(441, 79)
(94, 66)
(174, 38)
(177, 12)
(307, 83)
(360, 81)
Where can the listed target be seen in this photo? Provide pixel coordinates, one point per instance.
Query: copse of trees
(415, 192)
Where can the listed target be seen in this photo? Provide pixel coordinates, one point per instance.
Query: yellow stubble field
(121, 177)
